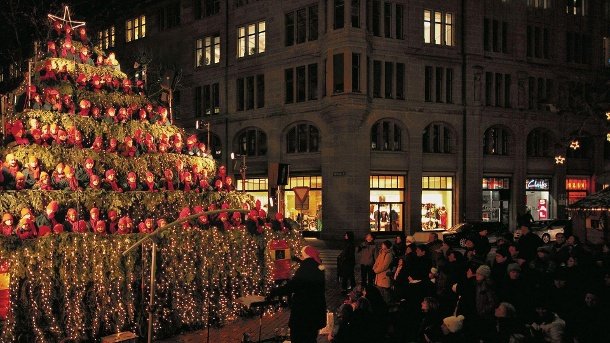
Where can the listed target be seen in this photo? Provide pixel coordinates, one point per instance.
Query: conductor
(308, 302)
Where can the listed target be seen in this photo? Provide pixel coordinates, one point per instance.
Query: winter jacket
(367, 253)
(382, 267)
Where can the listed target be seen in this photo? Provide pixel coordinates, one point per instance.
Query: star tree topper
(66, 20)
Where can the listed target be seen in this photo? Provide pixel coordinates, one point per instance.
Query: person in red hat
(51, 49)
(110, 182)
(113, 145)
(187, 183)
(85, 108)
(203, 221)
(236, 220)
(47, 74)
(71, 222)
(85, 171)
(57, 229)
(48, 218)
(111, 117)
(123, 227)
(126, 86)
(100, 228)
(149, 145)
(132, 183)
(252, 223)
(147, 226)
(26, 228)
(76, 139)
(68, 104)
(192, 147)
(98, 144)
(278, 223)
(84, 56)
(32, 171)
(44, 183)
(71, 179)
(58, 176)
(129, 149)
(185, 212)
(44, 231)
(95, 183)
(308, 301)
(94, 218)
(10, 167)
(161, 117)
(96, 83)
(113, 221)
(168, 180)
(82, 35)
(7, 227)
(149, 183)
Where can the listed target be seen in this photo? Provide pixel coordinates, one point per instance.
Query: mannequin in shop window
(393, 220)
(442, 214)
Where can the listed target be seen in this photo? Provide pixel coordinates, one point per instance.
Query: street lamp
(242, 169)
(200, 124)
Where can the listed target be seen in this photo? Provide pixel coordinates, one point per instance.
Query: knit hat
(453, 323)
(309, 251)
(484, 271)
(513, 267)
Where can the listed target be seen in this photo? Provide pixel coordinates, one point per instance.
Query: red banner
(280, 254)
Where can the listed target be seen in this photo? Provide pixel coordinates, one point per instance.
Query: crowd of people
(521, 291)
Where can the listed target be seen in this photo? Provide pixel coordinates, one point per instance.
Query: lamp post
(242, 169)
(198, 125)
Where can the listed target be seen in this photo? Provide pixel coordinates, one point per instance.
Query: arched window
(303, 138)
(386, 135)
(496, 141)
(585, 146)
(540, 143)
(252, 142)
(437, 138)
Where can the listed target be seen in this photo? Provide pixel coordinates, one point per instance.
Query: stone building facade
(398, 115)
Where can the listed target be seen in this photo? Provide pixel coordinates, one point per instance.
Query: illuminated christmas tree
(90, 165)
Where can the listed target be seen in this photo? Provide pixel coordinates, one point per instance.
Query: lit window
(427, 27)
(135, 28)
(251, 39)
(208, 51)
(441, 31)
(105, 38)
(449, 29)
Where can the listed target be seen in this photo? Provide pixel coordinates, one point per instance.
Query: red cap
(309, 251)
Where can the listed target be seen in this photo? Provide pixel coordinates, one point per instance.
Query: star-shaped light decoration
(608, 115)
(66, 19)
(559, 159)
(574, 145)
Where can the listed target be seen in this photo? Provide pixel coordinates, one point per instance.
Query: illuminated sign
(577, 184)
(537, 184)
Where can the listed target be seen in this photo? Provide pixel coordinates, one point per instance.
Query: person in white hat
(308, 305)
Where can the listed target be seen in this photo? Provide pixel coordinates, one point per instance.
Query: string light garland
(79, 287)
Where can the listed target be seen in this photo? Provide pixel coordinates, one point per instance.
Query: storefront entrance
(496, 200)
(386, 202)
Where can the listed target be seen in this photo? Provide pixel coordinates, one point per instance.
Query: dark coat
(308, 303)
(346, 261)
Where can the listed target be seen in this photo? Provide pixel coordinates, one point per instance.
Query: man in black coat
(308, 303)
(528, 243)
